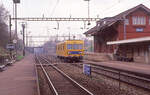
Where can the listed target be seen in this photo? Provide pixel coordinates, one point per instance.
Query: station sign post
(10, 47)
(87, 69)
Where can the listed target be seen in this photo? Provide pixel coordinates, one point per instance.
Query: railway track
(139, 80)
(59, 82)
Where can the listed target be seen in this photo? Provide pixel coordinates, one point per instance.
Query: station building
(125, 36)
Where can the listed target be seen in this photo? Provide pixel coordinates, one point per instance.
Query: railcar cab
(72, 50)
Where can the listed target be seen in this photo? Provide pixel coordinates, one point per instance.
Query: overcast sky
(67, 8)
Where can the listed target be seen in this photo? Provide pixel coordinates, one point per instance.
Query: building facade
(124, 35)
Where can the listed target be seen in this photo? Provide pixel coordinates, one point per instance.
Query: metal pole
(13, 11)
(91, 46)
(16, 25)
(26, 39)
(10, 34)
(26, 36)
(23, 27)
(88, 8)
(124, 28)
(16, 19)
(57, 37)
(88, 11)
(69, 35)
(10, 27)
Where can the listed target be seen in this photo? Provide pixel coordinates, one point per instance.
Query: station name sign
(10, 46)
(139, 29)
(87, 69)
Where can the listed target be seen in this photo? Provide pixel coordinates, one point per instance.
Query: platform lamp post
(10, 35)
(23, 30)
(88, 10)
(57, 31)
(69, 32)
(27, 38)
(15, 3)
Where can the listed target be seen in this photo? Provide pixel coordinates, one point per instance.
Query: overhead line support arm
(56, 19)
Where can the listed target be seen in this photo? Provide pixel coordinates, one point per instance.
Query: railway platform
(129, 66)
(19, 79)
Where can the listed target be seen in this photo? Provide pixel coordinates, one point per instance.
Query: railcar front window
(69, 46)
(80, 46)
(75, 46)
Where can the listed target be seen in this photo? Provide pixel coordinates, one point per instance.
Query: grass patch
(19, 57)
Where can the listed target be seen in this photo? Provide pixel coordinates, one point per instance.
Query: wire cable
(55, 7)
(113, 5)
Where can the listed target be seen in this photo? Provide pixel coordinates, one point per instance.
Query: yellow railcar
(70, 50)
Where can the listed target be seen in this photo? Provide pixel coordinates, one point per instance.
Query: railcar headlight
(69, 52)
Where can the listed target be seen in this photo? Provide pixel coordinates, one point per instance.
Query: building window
(138, 20)
(126, 21)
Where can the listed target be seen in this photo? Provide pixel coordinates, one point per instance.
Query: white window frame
(139, 20)
(126, 21)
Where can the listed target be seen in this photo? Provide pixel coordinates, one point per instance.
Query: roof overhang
(96, 29)
(92, 31)
(136, 40)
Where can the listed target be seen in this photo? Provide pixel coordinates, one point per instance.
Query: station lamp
(16, 1)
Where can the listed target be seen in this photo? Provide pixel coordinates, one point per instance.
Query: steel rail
(37, 78)
(119, 73)
(141, 74)
(72, 80)
(46, 74)
(124, 81)
(123, 73)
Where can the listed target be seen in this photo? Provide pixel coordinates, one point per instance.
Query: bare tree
(4, 34)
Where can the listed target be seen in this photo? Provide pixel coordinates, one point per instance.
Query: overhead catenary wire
(53, 10)
(113, 5)
(111, 8)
